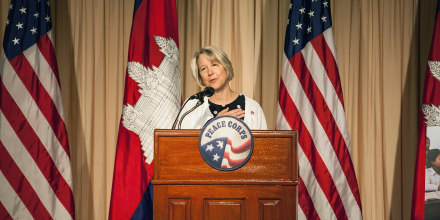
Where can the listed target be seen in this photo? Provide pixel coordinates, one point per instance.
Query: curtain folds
(382, 47)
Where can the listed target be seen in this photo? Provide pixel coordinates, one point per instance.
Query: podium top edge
(196, 132)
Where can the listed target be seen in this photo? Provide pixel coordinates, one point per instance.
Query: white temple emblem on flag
(434, 66)
(159, 89)
(432, 115)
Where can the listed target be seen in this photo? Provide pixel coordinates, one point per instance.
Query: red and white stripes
(310, 101)
(36, 174)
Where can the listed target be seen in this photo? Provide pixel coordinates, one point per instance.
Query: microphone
(209, 91)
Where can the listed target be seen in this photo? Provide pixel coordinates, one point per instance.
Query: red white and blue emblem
(226, 143)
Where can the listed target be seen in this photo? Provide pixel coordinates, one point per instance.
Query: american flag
(36, 176)
(222, 153)
(151, 100)
(429, 119)
(311, 102)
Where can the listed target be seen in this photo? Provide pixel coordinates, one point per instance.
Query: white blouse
(254, 116)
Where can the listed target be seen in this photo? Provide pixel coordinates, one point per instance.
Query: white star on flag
(16, 41)
(220, 144)
(296, 41)
(216, 157)
(23, 10)
(34, 30)
(209, 147)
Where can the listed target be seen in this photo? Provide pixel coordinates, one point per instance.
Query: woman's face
(436, 162)
(213, 74)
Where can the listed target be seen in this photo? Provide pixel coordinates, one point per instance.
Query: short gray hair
(213, 54)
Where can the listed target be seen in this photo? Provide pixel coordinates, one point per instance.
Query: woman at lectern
(211, 67)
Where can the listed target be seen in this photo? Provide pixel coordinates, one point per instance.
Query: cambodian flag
(429, 121)
(151, 100)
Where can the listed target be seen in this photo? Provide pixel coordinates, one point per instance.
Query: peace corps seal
(226, 143)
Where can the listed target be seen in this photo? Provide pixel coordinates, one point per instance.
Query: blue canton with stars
(214, 151)
(307, 19)
(28, 20)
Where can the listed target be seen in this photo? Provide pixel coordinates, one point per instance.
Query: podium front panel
(178, 160)
(186, 187)
(225, 202)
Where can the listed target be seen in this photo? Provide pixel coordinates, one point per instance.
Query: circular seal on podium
(226, 143)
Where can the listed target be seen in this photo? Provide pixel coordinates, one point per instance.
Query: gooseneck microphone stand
(209, 91)
(199, 103)
(175, 120)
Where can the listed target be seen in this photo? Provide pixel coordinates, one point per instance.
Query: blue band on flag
(144, 211)
(136, 5)
(438, 7)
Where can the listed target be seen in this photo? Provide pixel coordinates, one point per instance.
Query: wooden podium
(186, 187)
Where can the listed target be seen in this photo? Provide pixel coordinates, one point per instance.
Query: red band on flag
(21, 186)
(326, 119)
(306, 205)
(41, 97)
(319, 168)
(35, 148)
(329, 62)
(47, 49)
(4, 213)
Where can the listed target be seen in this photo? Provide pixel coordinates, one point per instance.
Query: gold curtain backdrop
(382, 48)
